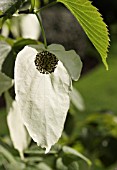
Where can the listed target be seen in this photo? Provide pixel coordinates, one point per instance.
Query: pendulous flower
(42, 87)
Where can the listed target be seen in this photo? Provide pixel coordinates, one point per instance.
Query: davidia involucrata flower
(42, 87)
(25, 25)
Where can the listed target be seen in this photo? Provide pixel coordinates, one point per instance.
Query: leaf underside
(92, 23)
(70, 60)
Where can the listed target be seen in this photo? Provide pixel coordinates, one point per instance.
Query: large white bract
(25, 25)
(30, 27)
(42, 98)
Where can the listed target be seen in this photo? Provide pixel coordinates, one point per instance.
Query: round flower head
(46, 62)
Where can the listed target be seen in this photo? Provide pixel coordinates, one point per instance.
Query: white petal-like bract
(43, 98)
(30, 26)
(77, 100)
(18, 132)
(26, 26)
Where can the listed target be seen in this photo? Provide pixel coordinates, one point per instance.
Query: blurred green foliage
(95, 129)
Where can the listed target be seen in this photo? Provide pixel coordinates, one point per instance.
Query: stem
(42, 29)
(32, 4)
(36, 152)
(49, 5)
(36, 13)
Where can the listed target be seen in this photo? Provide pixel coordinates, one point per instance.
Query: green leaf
(2, 160)
(60, 165)
(70, 60)
(6, 153)
(5, 83)
(70, 151)
(43, 166)
(92, 23)
(0, 22)
(21, 43)
(4, 50)
(3, 128)
(73, 166)
(6, 40)
(8, 64)
(7, 59)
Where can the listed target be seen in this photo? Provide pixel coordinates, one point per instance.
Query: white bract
(30, 27)
(26, 26)
(42, 98)
(77, 100)
(18, 132)
(5, 30)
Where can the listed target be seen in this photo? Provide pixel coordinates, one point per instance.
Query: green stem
(42, 29)
(32, 5)
(36, 152)
(7, 154)
(36, 13)
(49, 5)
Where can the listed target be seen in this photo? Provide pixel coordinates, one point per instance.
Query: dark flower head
(46, 62)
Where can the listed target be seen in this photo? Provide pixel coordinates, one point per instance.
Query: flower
(25, 25)
(42, 87)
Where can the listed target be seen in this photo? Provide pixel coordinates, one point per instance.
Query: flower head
(42, 86)
(46, 62)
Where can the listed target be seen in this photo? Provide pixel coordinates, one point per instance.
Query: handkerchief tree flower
(42, 86)
(43, 74)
